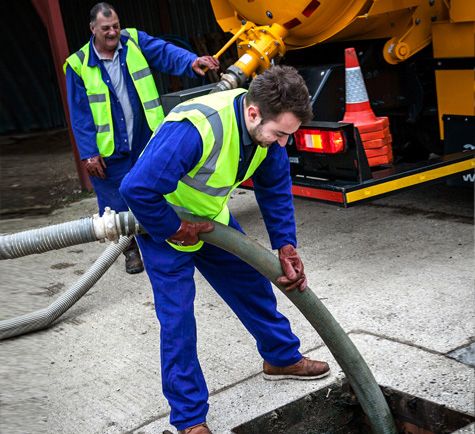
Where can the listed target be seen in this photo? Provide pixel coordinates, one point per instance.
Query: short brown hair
(280, 89)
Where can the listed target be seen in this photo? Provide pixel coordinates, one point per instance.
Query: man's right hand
(95, 166)
(188, 233)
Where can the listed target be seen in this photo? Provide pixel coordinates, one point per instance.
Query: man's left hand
(202, 64)
(292, 267)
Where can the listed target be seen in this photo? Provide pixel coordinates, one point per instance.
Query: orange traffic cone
(374, 131)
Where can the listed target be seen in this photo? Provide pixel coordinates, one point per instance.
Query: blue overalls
(161, 56)
(248, 294)
(169, 155)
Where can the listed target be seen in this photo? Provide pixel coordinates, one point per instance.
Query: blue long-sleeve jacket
(161, 56)
(172, 153)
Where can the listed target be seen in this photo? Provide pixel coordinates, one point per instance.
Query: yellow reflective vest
(98, 93)
(206, 189)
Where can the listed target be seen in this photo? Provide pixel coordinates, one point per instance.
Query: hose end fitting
(106, 226)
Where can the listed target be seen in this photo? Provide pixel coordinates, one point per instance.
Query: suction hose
(346, 354)
(42, 318)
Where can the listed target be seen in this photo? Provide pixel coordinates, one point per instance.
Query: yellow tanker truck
(417, 60)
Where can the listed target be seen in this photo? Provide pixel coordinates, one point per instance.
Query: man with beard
(114, 104)
(204, 149)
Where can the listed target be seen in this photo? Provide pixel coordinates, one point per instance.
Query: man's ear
(254, 114)
(91, 26)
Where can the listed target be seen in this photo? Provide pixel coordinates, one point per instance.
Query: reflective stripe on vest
(206, 189)
(98, 93)
(143, 80)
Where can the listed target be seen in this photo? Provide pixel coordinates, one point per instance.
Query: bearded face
(277, 130)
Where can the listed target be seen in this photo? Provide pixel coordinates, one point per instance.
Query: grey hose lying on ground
(44, 317)
(346, 354)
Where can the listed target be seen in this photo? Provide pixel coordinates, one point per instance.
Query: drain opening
(335, 410)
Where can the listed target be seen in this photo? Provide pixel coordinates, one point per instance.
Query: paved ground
(396, 273)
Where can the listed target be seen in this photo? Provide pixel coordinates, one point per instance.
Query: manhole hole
(335, 410)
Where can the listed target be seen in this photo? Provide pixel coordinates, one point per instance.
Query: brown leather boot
(201, 428)
(304, 369)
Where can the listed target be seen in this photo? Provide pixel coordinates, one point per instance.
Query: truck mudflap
(383, 182)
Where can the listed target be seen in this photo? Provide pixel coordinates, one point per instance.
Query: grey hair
(102, 7)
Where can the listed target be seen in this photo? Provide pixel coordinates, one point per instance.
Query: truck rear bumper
(383, 182)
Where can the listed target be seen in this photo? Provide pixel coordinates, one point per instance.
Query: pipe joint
(107, 226)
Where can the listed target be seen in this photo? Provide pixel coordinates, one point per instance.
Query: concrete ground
(396, 273)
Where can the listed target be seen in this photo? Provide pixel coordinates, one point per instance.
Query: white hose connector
(107, 226)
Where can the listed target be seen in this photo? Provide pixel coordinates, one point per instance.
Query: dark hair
(278, 90)
(103, 7)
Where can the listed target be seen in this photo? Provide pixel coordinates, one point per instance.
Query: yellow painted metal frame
(455, 87)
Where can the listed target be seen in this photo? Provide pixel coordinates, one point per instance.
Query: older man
(114, 103)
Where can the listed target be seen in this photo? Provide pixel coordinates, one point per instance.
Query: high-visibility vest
(206, 189)
(99, 96)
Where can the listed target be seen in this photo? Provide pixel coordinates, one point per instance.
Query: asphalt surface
(397, 273)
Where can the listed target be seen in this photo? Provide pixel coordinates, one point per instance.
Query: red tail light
(321, 141)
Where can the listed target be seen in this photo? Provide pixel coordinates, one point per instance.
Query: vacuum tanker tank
(407, 26)
(417, 59)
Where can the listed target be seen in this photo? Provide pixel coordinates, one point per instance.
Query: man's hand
(187, 234)
(95, 167)
(202, 64)
(292, 267)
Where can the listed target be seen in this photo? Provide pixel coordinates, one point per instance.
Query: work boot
(304, 369)
(201, 428)
(133, 260)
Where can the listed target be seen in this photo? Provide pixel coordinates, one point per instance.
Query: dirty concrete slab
(415, 271)
(429, 376)
(399, 270)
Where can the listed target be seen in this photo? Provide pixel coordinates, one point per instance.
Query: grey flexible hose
(42, 318)
(68, 234)
(48, 238)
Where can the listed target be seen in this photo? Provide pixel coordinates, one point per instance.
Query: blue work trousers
(247, 292)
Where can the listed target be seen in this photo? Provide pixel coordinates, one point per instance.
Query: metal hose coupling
(112, 225)
(233, 78)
